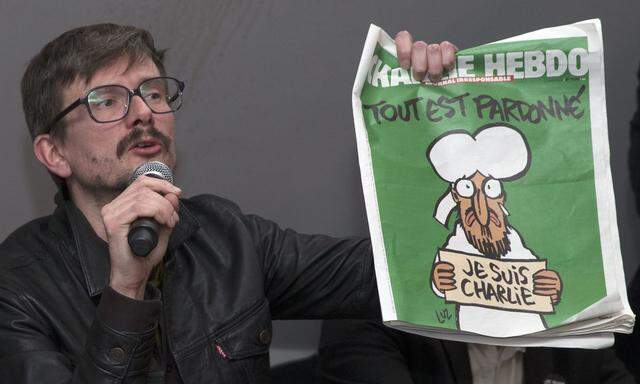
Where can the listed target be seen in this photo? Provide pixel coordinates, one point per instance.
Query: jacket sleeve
(117, 348)
(315, 276)
(613, 370)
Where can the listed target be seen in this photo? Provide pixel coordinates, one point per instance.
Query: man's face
(102, 156)
(485, 225)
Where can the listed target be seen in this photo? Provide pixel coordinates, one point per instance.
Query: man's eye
(104, 103)
(465, 188)
(492, 188)
(154, 96)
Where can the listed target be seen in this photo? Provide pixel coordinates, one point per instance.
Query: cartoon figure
(475, 166)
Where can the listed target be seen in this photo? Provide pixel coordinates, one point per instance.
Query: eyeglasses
(109, 103)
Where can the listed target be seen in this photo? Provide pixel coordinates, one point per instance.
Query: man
(359, 351)
(628, 346)
(475, 166)
(77, 306)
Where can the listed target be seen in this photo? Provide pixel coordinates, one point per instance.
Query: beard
(106, 177)
(492, 241)
(97, 184)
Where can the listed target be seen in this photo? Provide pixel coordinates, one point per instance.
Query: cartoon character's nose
(480, 207)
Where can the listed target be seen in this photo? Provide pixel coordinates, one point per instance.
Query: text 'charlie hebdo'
(497, 67)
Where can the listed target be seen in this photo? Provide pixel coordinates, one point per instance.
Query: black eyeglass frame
(131, 92)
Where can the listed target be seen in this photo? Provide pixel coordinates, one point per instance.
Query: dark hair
(78, 54)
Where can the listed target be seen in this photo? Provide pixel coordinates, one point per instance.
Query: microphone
(143, 233)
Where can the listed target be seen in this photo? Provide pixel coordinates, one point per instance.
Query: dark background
(267, 120)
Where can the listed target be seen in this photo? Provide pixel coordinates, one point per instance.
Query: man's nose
(139, 112)
(480, 207)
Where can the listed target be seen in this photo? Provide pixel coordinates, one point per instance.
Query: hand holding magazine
(489, 192)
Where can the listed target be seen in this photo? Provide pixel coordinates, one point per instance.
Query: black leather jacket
(226, 276)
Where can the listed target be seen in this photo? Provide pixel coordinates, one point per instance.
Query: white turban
(497, 151)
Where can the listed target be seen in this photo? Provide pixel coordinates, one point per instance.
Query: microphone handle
(143, 236)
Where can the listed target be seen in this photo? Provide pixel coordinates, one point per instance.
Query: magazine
(489, 193)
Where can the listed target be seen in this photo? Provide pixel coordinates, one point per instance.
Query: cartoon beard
(492, 241)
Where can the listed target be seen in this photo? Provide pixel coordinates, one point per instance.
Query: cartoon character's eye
(465, 188)
(492, 188)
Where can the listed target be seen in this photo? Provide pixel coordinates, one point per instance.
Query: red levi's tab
(221, 352)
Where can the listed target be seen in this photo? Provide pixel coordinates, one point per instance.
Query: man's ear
(48, 153)
(455, 195)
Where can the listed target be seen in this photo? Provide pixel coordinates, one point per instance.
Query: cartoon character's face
(480, 201)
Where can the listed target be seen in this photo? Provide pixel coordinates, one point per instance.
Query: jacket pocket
(244, 343)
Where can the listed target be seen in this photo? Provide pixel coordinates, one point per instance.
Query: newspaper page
(488, 193)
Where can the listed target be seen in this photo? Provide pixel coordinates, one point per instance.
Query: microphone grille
(155, 169)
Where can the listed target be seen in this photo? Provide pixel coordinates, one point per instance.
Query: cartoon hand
(443, 276)
(547, 283)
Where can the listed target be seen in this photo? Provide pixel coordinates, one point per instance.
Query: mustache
(470, 217)
(137, 133)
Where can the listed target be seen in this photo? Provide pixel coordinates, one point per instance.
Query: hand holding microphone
(140, 220)
(143, 233)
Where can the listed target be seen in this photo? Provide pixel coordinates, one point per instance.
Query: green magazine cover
(489, 193)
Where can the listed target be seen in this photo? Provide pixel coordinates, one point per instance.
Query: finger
(545, 292)
(444, 265)
(446, 269)
(447, 288)
(419, 60)
(127, 201)
(174, 219)
(159, 209)
(447, 275)
(118, 221)
(157, 185)
(545, 273)
(146, 203)
(545, 286)
(450, 44)
(448, 54)
(174, 200)
(403, 47)
(158, 253)
(166, 213)
(545, 280)
(552, 288)
(447, 281)
(546, 283)
(434, 62)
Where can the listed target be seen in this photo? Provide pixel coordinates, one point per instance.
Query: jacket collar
(539, 365)
(458, 359)
(93, 253)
